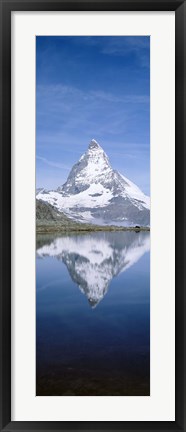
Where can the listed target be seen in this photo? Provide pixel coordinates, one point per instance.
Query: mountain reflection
(94, 259)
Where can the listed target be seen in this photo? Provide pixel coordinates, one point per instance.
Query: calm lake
(93, 314)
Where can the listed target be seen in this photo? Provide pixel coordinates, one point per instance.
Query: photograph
(92, 215)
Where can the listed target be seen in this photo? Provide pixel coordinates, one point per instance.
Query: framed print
(92, 215)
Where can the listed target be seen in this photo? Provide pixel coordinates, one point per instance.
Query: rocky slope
(50, 220)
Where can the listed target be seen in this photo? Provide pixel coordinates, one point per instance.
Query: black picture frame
(6, 7)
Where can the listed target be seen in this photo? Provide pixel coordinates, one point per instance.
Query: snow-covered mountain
(95, 192)
(94, 259)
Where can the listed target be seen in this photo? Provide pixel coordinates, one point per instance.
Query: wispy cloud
(109, 97)
(70, 109)
(68, 118)
(53, 164)
(123, 45)
(61, 93)
(120, 46)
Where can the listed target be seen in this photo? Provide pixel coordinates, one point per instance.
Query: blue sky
(92, 87)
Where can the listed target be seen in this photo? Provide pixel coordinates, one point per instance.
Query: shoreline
(44, 229)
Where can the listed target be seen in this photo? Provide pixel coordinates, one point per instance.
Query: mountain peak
(95, 191)
(94, 145)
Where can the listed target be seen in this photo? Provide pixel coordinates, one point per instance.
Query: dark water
(93, 314)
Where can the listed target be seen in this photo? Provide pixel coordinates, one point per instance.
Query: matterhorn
(96, 193)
